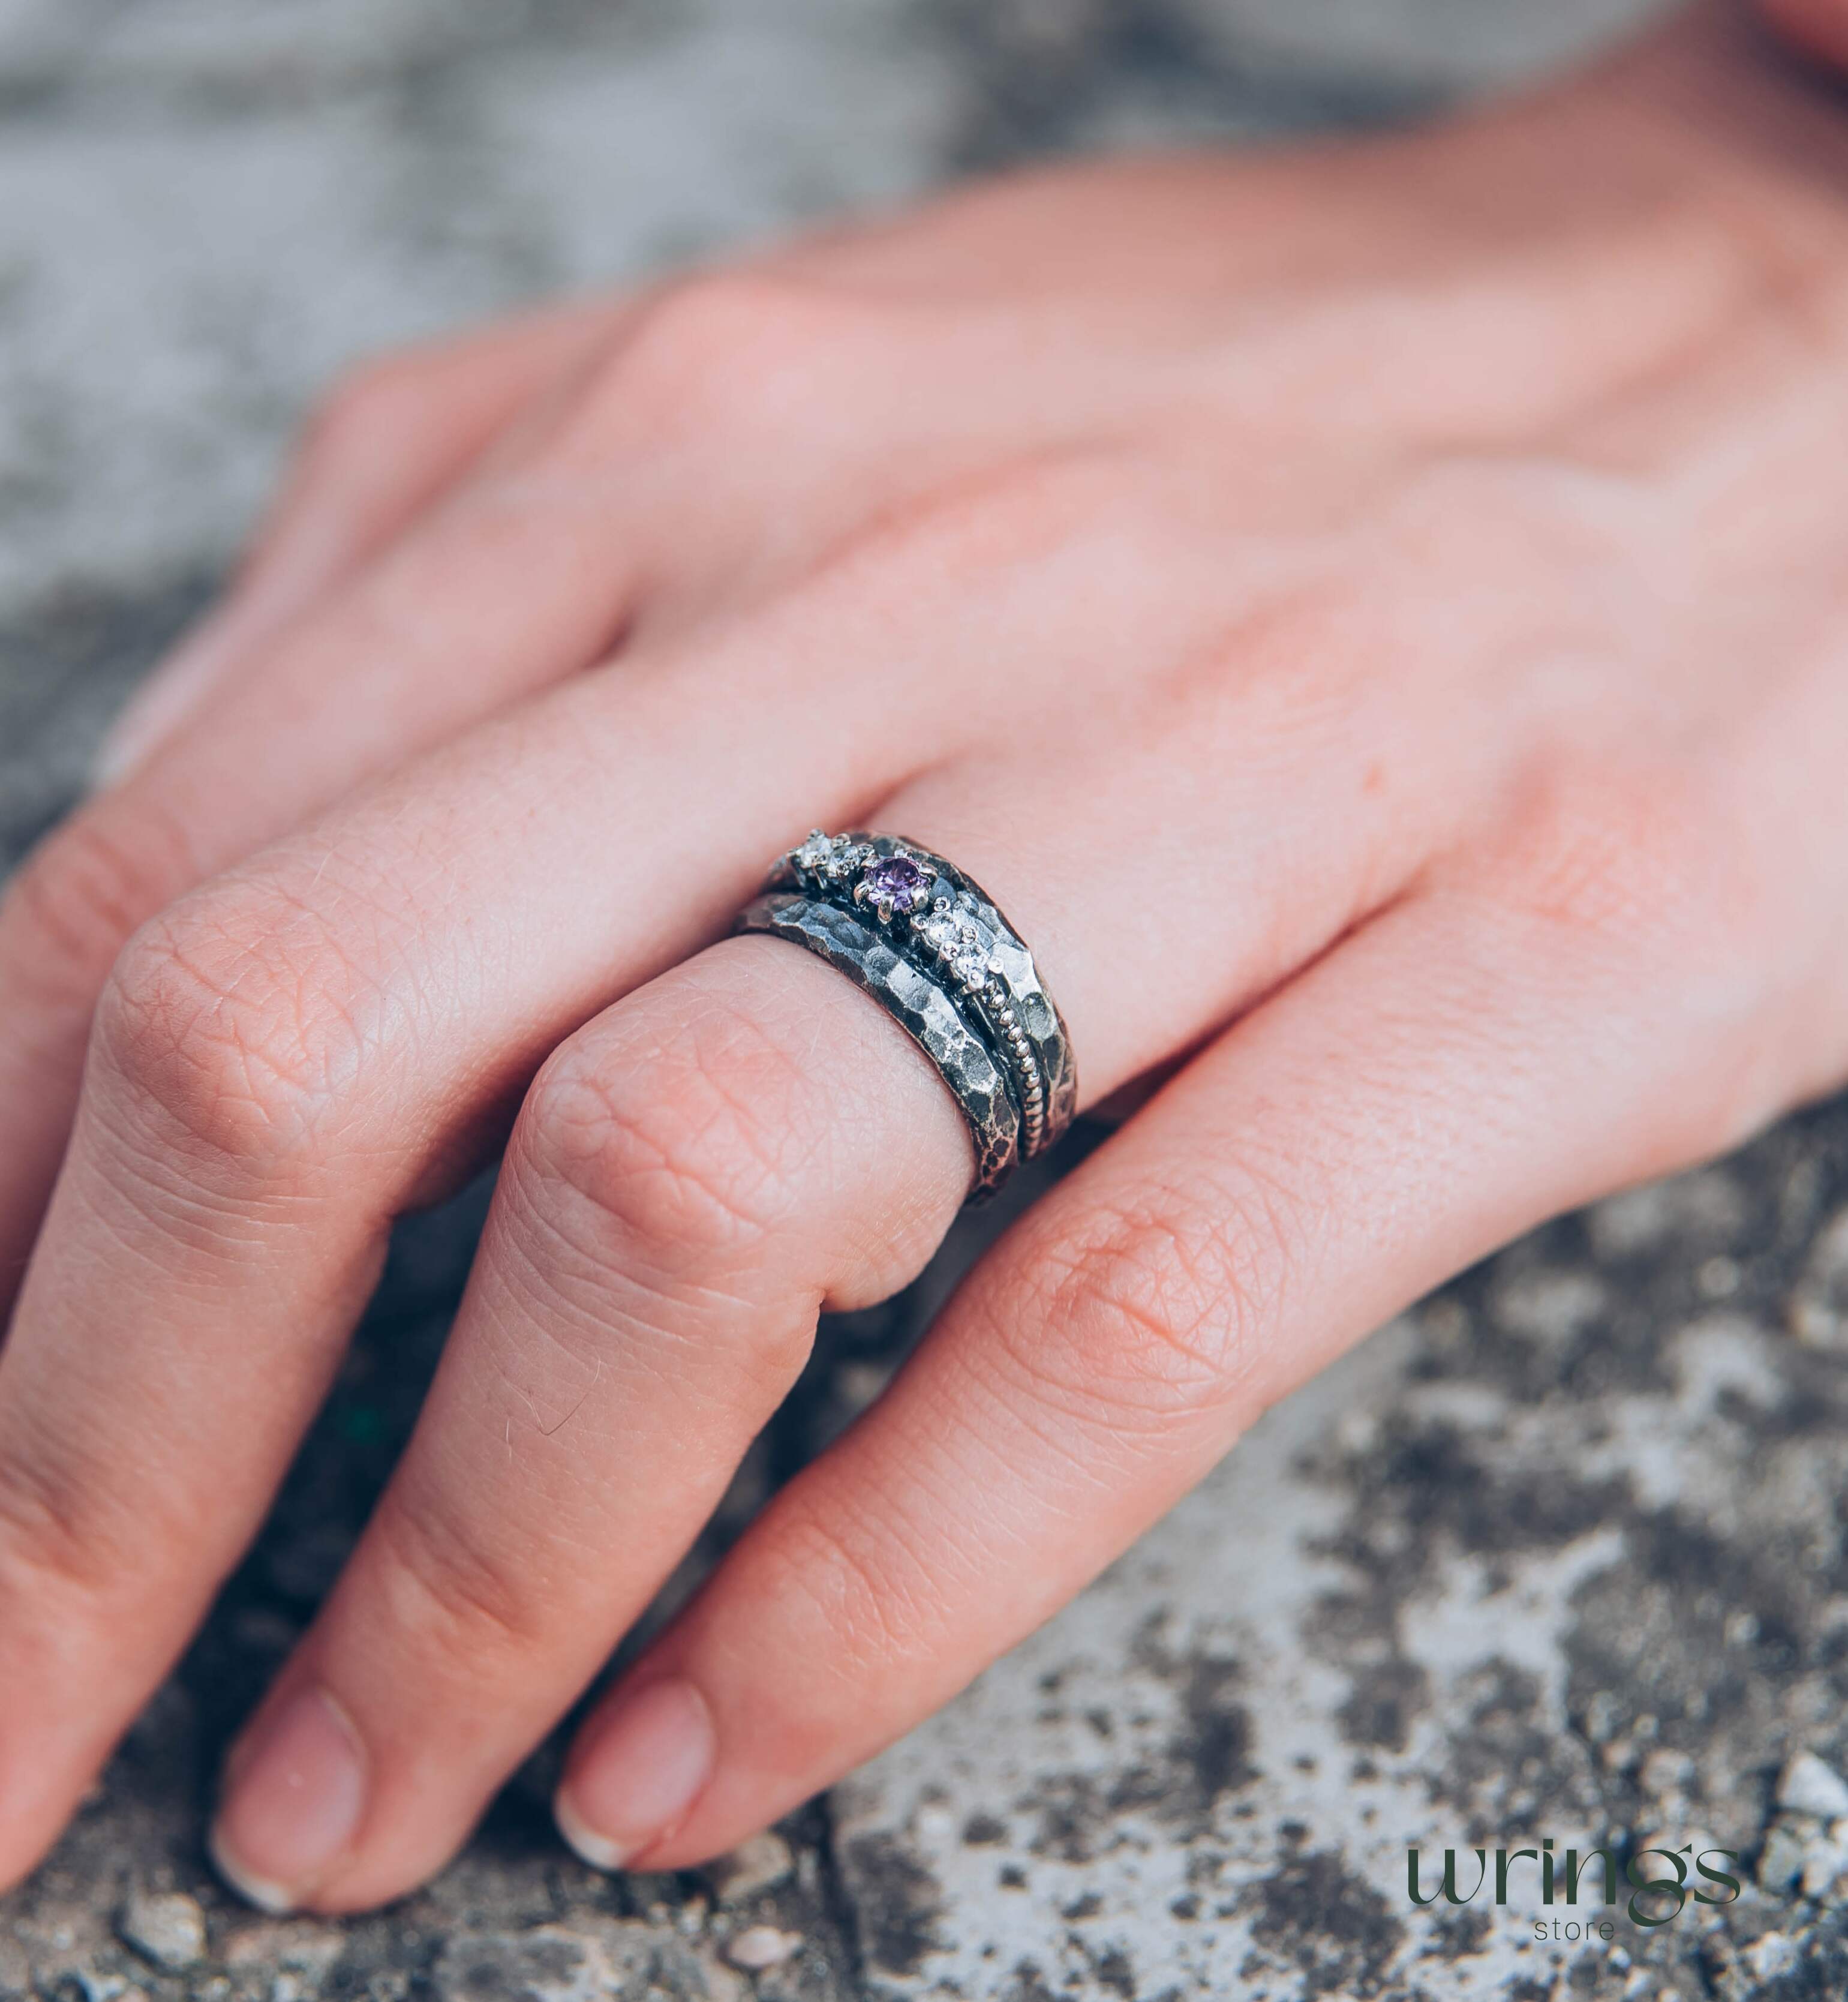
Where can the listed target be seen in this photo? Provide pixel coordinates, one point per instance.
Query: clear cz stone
(961, 946)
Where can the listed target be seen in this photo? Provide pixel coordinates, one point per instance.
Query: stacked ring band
(931, 945)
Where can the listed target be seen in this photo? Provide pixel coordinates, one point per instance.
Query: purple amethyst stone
(895, 880)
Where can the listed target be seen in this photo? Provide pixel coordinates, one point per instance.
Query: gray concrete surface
(1558, 1555)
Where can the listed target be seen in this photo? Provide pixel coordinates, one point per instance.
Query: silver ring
(921, 937)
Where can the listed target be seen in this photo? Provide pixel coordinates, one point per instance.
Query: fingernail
(297, 1791)
(644, 1768)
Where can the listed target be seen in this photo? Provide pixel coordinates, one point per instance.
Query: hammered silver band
(929, 943)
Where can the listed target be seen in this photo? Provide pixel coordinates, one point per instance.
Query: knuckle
(730, 348)
(361, 415)
(235, 1016)
(58, 1544)
(685, 1148)
(1643, 874)
(1652, 897)
(80, 895)
(1637, 893)
(1610, 852)
(447, 1597)
(1057, 508)
(1158, 1306)
(853, 1594)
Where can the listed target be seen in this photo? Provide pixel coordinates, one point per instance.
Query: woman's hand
(1374, 617)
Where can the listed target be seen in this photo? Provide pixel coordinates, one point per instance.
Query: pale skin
(1373, 617)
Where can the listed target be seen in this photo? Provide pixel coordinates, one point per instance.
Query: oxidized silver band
(931, 946)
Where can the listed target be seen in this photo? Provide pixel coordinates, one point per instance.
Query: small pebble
(754, 1866)
(1780, 1862)
(1666, 1772)
(301, 1944)
(1719, 1278)
(759, 1947)
(1772, 1953)
(1806, 1786)
(1825, 1860)
(167, 1928)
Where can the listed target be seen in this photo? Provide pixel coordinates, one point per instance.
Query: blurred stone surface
(1559, 1554)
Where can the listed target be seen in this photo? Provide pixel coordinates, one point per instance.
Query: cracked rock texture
(1560, 1555)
